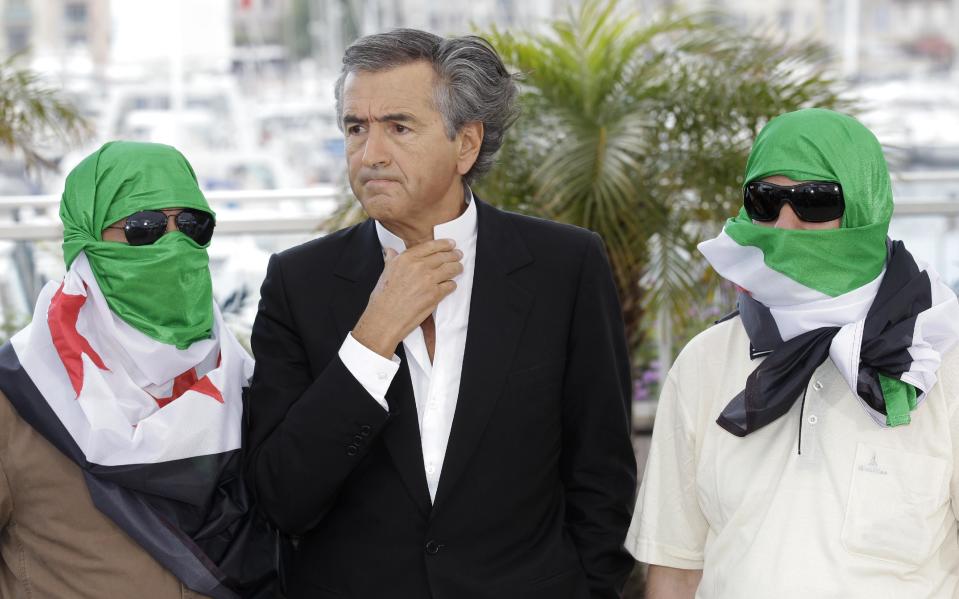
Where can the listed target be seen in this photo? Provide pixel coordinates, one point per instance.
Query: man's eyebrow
(396, 117)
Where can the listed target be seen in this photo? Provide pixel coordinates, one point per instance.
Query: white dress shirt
(435, 384)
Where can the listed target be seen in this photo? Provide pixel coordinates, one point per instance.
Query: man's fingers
(389, 254)
(447, 271)
(438, 259)
(446, 287)
(428, 248)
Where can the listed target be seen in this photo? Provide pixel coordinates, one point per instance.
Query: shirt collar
(461, 229)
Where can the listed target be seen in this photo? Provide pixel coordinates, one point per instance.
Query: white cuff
(369, 368)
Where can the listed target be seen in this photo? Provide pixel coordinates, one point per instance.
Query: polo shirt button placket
(810, 424)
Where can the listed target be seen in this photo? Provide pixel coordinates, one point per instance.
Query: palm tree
(33, 116)
(640, 131)
(34, 119)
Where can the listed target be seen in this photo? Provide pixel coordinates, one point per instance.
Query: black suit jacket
(538, 482)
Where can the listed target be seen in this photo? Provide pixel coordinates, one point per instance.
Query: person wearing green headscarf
(805, 446)
(121, 404)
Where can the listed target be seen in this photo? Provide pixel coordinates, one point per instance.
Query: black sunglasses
(147, 226)
(812, 201)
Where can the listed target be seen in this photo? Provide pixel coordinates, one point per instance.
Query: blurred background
(638, 117)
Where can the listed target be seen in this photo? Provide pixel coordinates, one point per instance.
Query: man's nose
(171, 221)
(375, 152)
(787, 218)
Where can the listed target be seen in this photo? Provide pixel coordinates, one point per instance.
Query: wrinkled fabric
(128, 369)
(822, 145)
(891, 333)
(161, 458)
(124, 397)
(194, 516)
(163, 289)
(819, 284)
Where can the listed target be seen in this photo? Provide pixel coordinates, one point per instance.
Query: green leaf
(32, 116)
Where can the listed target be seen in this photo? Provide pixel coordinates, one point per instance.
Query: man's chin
(379, 206)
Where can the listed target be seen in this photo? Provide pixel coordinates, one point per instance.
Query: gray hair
(471, 84)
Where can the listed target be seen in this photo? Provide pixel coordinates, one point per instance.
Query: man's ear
(470, 138)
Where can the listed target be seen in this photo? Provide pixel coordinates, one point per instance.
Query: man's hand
(410, 288)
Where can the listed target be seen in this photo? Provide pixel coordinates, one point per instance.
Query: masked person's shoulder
(722, 341)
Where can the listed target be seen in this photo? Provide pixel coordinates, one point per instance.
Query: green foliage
(34, 116)
(640, 131)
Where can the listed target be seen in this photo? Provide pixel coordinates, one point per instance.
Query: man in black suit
(439, 403)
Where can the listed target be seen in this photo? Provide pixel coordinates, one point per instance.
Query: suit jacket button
(352, 450)
(365, 430)
(432, 547)
(357, 439)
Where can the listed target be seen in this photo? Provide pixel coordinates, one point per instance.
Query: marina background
(245, 89)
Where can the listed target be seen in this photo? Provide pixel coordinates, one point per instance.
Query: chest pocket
(898, 505)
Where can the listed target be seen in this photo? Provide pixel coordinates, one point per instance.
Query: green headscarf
(821, 145)
(163, 289)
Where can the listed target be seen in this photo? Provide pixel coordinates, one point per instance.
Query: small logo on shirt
(873, 466)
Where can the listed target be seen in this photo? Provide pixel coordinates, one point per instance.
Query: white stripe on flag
(745, 266)
(795, 307)
(114, 421)
(936, 332)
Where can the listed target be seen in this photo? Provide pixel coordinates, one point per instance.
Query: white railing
(24, 218)
(925, 176)
(926, 207)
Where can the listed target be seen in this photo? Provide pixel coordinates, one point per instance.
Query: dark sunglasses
(812, 201)
(147, 226)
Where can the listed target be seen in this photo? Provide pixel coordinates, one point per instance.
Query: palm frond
(34, 116)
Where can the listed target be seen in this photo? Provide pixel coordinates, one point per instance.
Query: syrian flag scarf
(847, 293)
(156, 429)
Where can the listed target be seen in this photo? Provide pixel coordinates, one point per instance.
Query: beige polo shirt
(822, 503)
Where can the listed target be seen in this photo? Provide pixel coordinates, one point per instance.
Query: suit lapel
(498, 309)
(358, 270)
(402, 435)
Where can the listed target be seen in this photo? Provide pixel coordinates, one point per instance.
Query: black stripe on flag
(175, 510)
(905, 292)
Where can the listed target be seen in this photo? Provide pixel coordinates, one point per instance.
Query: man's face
(787, 217)
(401, 163)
